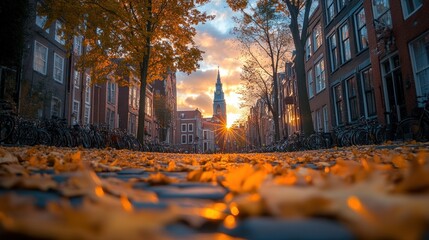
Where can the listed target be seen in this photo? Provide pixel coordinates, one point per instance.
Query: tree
(296, 8)
(150, 36)
(297, 12)
(265, 41)
(163, 114)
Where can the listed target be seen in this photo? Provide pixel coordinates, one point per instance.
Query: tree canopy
(265, 41)
(151, 37)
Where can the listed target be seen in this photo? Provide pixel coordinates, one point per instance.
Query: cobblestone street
(366, 192)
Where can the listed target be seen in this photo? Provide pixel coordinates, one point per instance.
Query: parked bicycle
(415, 127)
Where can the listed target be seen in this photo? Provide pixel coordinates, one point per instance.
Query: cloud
(221, 49)
(202, 102)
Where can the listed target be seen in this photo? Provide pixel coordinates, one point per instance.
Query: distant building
(208, 141)
(167, 89)
(190, 130)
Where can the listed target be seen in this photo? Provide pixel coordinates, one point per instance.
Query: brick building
(190, 130)
(317, 77)
(45, 68)
(167, 89)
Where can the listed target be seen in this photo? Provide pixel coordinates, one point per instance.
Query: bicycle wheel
(380, 135)
(27, 135)
(315, 142)
(409, 129)
(7, 123)
(43, 137)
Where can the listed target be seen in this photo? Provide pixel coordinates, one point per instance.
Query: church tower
(219, 105)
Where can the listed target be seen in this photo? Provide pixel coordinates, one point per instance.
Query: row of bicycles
(365, 132)
(17, 130)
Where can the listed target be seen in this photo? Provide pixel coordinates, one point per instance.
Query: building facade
(165, 89)
(317, 78)
(190, 126)
(45, 68)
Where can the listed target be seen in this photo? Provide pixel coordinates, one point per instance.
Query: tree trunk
(275, 111)
(303, 102)
(144, 67)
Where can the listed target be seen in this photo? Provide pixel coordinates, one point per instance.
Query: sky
(221, 49)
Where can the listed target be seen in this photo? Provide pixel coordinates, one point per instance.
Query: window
(88, 89)
(410, 6)
(338, 98)
(205, 134)
(132, 124)
(317, 37)
(110, 118)
(353, 107)
(205, 146)
(190, 127)
(86, 114)
(325, 118)
(308, 49)
(190, 138)
(75, 112)
(361, 32)
(59, 35)
(319, 73)
(345, 43)
(55, 107)
(420, 59)
(111, 92)
(381, 10)
(77, 45)
(40, 58)
(318, 120)
(314, 5)
(341, 4)
(76, 79)
(333, 52)
(183, 138)
(135, 97)
(368, 92)
(148, 106)
(58, 68)
(41, 20)
(330, 10)
(184, 127)
(310, 84)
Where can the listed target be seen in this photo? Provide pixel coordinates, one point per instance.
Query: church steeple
(218, 76)
(219, 105)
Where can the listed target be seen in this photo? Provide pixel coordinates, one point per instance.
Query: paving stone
(141, 185)
(131, 171)
(180, 231)
(107, 174)
(60, 178)
(43, 171)
(270, 228)
(213, 193)
(179, 175)
(311, 165)
(41, 199)
(192, 184)
(145, 205)
(126, 177)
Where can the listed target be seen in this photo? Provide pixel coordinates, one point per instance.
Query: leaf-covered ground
(57, 193)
